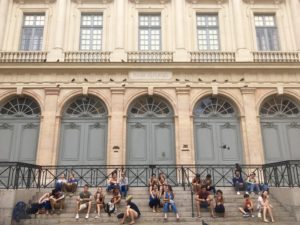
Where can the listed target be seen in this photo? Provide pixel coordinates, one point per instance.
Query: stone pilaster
(116, 149)
(3, 12)
(253, 149)
(185, 154)
(47, 148)
(242, 54)
(60, 20)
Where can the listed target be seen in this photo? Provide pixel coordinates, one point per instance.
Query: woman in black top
(132, 211)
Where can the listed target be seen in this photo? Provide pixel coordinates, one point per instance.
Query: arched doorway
(217, 132)
(19, 129)
(84, 132)
(150, 132)
(280, 125)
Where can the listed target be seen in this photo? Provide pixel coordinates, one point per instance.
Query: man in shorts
(204, 200)
(84, 201)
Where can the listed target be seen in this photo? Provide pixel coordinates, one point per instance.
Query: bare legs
(266, 210)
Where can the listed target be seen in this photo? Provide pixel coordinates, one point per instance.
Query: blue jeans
(173, 206)
(111, 187)
(253, 187)
(124, 189)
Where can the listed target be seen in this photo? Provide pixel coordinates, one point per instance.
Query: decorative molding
(30, 126)
(138, 125)
(200, 1)
(52, 91)
(73, 125)
(98, 1)
(248, 90)
(268, 125)
(150, 1)
(255, 1)
(204, 125)
(227, 125)
(183, 90)
(97, 125)
(43, 1)
(117, 90)
(163, 125)
(294, 125)
(5, 126)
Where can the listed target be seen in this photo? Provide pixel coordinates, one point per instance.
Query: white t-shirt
(260, 203)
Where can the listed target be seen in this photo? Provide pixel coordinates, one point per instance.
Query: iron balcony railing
(15, 175)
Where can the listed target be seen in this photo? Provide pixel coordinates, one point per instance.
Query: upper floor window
(91, 32)
(208, 32)
(32, 32)
(266, 33)
(149, 32)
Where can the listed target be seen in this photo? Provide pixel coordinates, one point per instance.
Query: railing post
(28, 182)
(182, 177)
(192, 201)
(16, 181)
(289, 172)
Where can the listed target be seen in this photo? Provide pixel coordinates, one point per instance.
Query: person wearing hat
(132, 211)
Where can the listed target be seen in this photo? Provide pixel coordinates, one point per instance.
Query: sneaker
(77, 216)
(238, 193)
(247, 192)
(87, 216)
(252, 216)
(97, 217)
(259, 215)
(246, 215)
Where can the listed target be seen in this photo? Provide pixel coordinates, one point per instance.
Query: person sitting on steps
(131, 211)
(83, 201)
(247, 210)
(169, 201)
(204, 200)
(99, 199)
(154, 198)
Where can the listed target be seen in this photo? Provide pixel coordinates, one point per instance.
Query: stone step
(171, 218)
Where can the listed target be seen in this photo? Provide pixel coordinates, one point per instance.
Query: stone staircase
(183, 202)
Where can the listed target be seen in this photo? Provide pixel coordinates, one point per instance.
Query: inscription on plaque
(150, 75)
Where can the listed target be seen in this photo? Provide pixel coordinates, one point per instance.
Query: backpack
(109, 208)
(33, 209)
(19, 211)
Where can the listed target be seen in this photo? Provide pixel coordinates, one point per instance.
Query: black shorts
(204, 205)
(220, 209)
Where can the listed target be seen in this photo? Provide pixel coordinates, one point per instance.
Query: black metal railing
(15, 175)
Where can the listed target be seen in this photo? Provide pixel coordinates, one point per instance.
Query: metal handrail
(17, 175)
(191, 189)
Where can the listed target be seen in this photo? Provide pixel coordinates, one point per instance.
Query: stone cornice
(96, 1)
(125, 67)
(200, 1)
(149, 1)
(256, 1)
(42, 1)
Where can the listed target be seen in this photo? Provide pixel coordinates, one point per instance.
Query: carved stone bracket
(268, 125)
(227, 125)
(204, 125)
(5, 126)
(163, 125)
(30, 126)
(294, 125)
(73, 125)
(138, 125)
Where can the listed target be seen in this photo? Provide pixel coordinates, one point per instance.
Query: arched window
(279, 106)
(214, 107)
(150, 106)
(20, 107)
(85, 106)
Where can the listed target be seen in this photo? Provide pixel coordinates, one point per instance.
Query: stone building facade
(149, 81)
